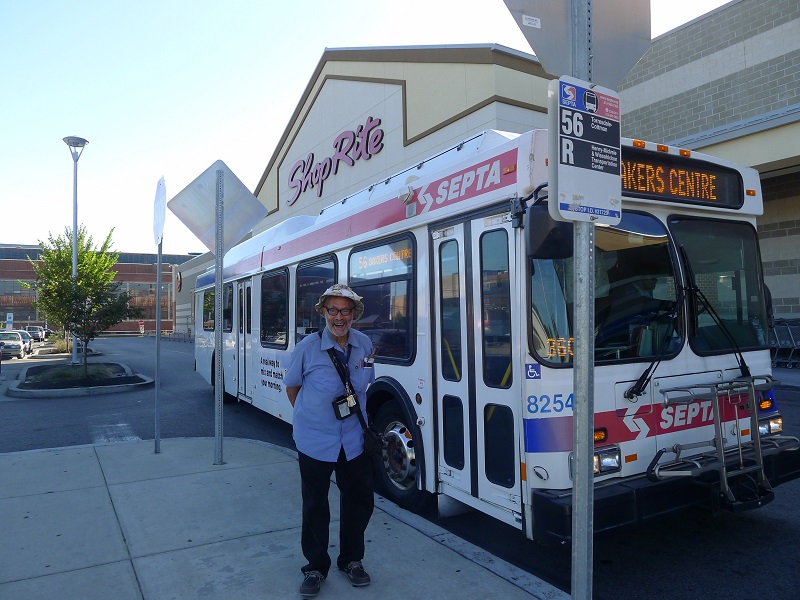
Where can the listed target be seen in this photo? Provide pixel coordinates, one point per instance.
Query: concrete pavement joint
(119, 524)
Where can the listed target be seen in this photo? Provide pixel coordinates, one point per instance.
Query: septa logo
(568, 92)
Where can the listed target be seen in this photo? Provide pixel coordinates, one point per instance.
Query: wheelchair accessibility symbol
(533, 371)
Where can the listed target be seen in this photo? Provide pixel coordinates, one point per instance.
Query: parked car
(13, 344)
(27, 340)
(37, 332)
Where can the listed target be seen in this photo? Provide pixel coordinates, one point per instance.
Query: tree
(96, 308)
(93, 302)
(54, 279)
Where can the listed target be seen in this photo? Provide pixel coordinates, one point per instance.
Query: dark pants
(354, 480)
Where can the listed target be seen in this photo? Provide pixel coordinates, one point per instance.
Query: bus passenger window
(383, 276)
(208, 310)
(274, 308)
(312, 280)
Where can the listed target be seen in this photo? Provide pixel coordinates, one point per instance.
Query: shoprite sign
(349, 146)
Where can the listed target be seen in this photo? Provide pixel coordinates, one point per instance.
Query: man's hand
(292, 392)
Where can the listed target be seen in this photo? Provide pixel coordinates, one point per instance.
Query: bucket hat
(341, 291)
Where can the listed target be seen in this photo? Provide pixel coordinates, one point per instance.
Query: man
(326, 444)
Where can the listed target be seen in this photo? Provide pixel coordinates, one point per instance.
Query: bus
(467, 284)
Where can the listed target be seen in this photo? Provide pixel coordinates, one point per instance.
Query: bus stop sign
(584, 138)
(620, 35)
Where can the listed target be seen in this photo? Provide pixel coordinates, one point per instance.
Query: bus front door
(477, 384)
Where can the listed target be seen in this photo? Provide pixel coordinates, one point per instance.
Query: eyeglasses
(335, 311)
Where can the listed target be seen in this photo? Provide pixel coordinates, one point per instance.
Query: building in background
(137, 274)
(727, 84)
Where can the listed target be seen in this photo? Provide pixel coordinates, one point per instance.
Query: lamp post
(76, 146)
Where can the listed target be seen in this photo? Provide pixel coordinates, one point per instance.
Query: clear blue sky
(166, 87)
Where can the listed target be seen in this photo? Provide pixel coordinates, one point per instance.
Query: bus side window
(208, 310)
(312, 280)
(274, 308)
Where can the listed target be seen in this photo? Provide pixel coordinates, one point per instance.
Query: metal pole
(158, 352)
(75, 157)
(218, 379)
(583, 360)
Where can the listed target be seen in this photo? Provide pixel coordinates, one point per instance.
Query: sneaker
(356, 574)
(311, 583)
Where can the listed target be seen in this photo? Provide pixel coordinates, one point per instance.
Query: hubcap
(399, 458)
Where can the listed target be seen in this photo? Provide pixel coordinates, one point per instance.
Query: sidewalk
(119, 521)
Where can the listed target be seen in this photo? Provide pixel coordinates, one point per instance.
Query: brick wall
(720, 43)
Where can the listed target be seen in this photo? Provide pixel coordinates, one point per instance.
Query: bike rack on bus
(731, 464)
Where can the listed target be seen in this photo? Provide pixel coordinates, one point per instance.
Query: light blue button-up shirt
(317, 432)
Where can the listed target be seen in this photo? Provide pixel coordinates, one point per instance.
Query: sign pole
(584, 186)
(159, 214)
(158, 354)
(583, 360)
(218, 380)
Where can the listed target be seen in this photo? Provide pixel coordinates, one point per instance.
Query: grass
(72, 376)
(60, 346)
(73, 372)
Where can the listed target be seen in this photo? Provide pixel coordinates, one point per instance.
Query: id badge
(343, 406)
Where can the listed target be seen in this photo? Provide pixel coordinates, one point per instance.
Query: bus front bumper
(637, 500)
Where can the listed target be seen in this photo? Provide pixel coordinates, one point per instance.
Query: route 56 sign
(584, 175)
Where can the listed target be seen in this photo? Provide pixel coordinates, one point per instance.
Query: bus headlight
(607, 460)
(770, 426)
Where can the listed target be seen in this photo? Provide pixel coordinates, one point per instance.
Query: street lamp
(76, 146)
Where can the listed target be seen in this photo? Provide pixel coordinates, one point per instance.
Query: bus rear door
(244, 297)
(477, 384)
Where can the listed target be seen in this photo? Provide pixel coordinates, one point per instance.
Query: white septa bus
(467, 286)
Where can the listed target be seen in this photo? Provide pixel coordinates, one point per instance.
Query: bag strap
(344, 375)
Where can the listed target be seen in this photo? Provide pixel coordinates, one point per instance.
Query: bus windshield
(635, 296)
(724, 260)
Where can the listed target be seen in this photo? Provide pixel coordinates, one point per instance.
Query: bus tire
(395, 471)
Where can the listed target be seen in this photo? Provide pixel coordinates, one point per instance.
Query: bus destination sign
(662, 176)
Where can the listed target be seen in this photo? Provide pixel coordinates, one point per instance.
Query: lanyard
(344, 373)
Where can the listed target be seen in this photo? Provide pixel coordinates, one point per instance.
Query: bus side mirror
(545, 237)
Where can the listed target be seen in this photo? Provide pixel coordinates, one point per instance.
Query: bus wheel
(396, 469)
